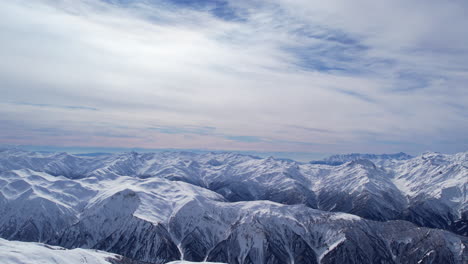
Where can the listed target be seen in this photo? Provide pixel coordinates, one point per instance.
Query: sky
(278, 76)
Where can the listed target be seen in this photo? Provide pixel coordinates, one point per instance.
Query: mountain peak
(363, 162)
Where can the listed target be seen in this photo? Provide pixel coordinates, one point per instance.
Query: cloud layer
(294, 76)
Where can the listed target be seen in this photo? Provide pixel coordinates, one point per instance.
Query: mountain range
(232, 208)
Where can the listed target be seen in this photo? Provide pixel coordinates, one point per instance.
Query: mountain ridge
(161, 207)
(339, 159)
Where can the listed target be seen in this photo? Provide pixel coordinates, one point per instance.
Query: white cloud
(403, 80)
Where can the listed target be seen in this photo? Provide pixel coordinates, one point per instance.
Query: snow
(382, 159)
(74, 182)
(435, 176)
(188, 262)
(182, 192)
(15, 252)
(323, 251)
(347, 217)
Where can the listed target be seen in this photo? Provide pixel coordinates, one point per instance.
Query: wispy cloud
(185, 130)
(75, 107)
(236, 74)
(244, 138)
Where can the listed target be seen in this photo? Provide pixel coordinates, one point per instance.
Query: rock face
(231, 208)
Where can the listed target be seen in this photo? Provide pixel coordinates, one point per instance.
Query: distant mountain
(376, 158)
(94, 154)
(231, 208)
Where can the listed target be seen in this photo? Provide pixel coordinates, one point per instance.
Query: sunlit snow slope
(15, 252)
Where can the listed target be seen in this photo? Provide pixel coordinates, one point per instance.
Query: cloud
(237, 74)
(58, 106)
(244, 138)
(185, 130)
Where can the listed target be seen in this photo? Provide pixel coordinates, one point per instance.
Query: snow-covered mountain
(234, 208)
(16, 252)
(375, 158)
(437, 187)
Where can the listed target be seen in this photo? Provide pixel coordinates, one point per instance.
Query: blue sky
(265, 76)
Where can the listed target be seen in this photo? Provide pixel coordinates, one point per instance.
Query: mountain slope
(232, 208)
(436, 184)
(430, 190)
(15, 252)
(202, 226)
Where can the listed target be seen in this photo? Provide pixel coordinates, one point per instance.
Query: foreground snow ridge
(230, 208)
(15, 252)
